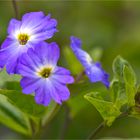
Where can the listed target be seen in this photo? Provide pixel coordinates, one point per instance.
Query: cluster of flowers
(25, 52)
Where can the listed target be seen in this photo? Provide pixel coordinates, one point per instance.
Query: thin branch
(97, 130)
(15, 9)
(124, 114)
(50, 115)
(102, 125)
(46, 121)
(79, 76)
(66, 122)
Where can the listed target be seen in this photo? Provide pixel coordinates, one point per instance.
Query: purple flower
(42, 76)
(22, 35)
(93, 70)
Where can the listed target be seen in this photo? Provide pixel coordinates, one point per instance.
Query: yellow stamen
(45, 72)
(23, 38)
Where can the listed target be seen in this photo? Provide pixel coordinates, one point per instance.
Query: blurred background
(107, 29)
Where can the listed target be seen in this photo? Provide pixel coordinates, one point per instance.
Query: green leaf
(12, 85)
(130, 84)
(107, 109)
(123, 87)
(118, 65)
(114, 90)
(37, 114)
(129, 75)
(118, 93)
(24, 102)
(4, 77)
(13, 117)
(78, 90)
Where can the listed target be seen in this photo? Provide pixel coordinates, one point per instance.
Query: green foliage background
(113, 27)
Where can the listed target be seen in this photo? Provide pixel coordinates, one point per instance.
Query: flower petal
(25, 71)
(42, 96)
(31, 20)
(14, 27)
(39, 26)
(93, 70)
(53, 93)
(97, 74)
(29, 85)
(62, 75)
(75, 42)
(61, 71)
(41, 36)
(28, 61)
(64, 79)
(6, 54)
(11, 65)
(7, 42)
(81, 55)
(39, 95)
(62, 91)
(49, 53)
(45, 30)
(35, 59)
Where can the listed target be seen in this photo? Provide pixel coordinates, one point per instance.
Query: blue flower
(22, 35)
(93, 70)
(42, 76)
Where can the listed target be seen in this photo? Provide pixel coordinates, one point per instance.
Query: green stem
(36, 133)
(66, 122)
(79, 76)
(96, 131)
(15, 9)
(102, 125)
(44, 122)
(50, 115)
